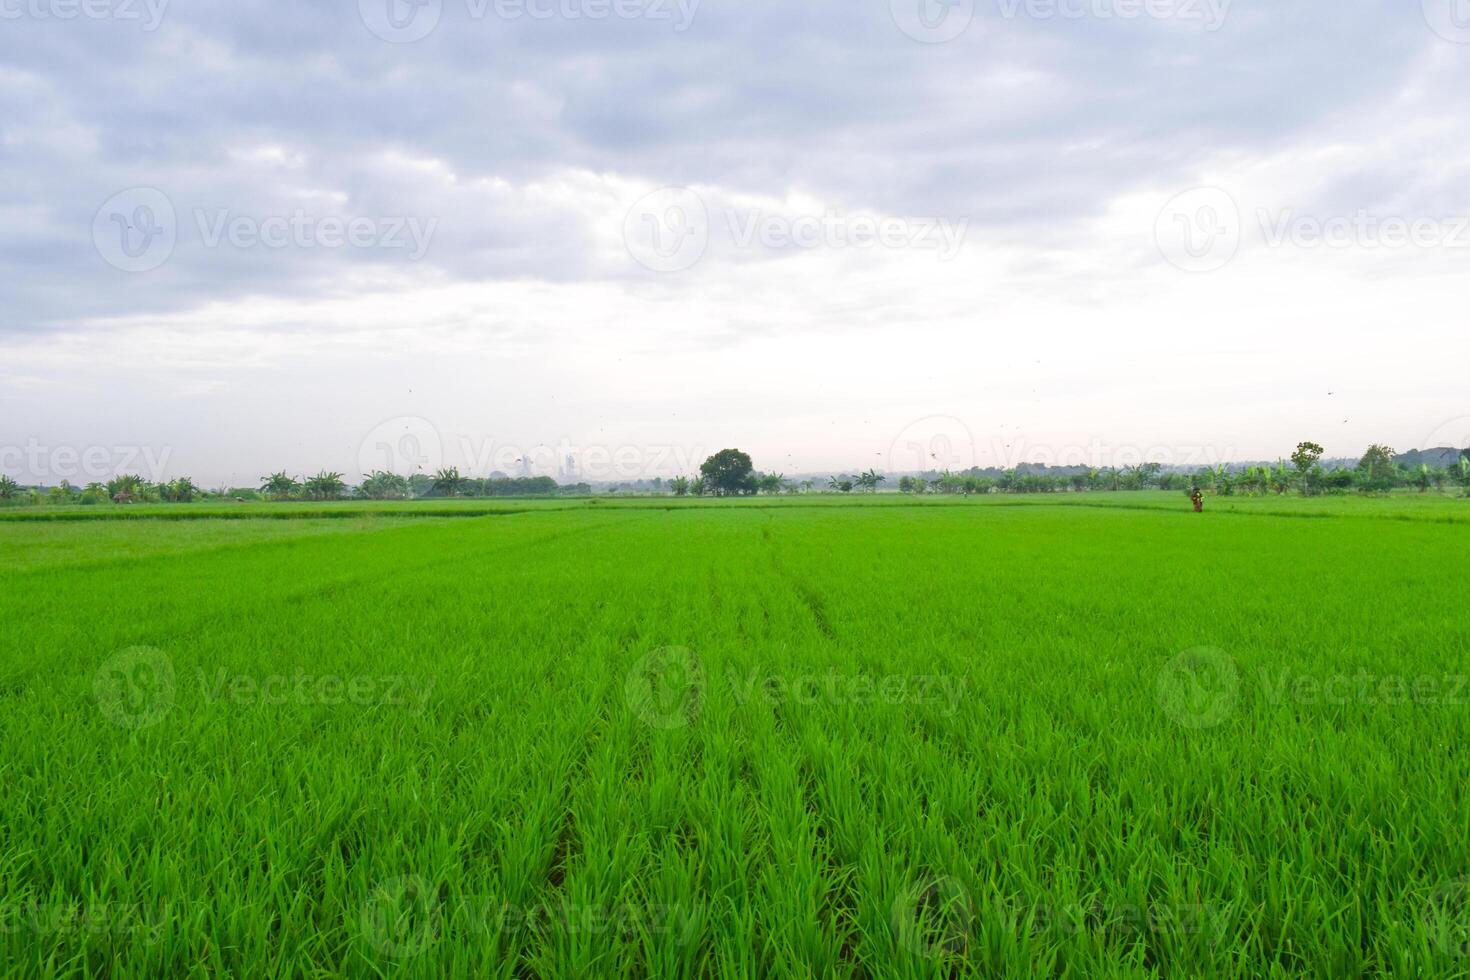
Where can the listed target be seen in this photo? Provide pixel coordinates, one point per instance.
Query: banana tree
(279, 486)
(325, 486)
(448, 481)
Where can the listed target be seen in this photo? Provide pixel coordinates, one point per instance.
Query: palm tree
(8, 488)
(279, 486)
(870, 480)
(325, 486)
(680, 485)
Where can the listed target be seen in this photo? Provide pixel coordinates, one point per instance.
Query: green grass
(1079, 735)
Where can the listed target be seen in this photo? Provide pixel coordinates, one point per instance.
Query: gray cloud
(1027, 125)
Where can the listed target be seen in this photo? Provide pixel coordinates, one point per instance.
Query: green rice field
(1080, 735)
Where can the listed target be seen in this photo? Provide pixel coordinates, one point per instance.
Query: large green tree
(1305, 459)
(728, 473)
(1377, 470)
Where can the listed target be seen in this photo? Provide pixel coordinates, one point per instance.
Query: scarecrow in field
(1197, 496)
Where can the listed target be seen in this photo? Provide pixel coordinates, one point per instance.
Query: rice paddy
(1089, 735)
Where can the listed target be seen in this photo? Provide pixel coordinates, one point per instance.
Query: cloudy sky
(245, 236)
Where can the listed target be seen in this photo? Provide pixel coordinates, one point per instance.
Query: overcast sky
(242, 236)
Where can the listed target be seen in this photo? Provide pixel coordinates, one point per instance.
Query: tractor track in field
(815, 605)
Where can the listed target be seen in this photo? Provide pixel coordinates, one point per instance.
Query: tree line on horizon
(731, 472)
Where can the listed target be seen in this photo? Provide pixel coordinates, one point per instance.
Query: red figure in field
(1198, 497)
